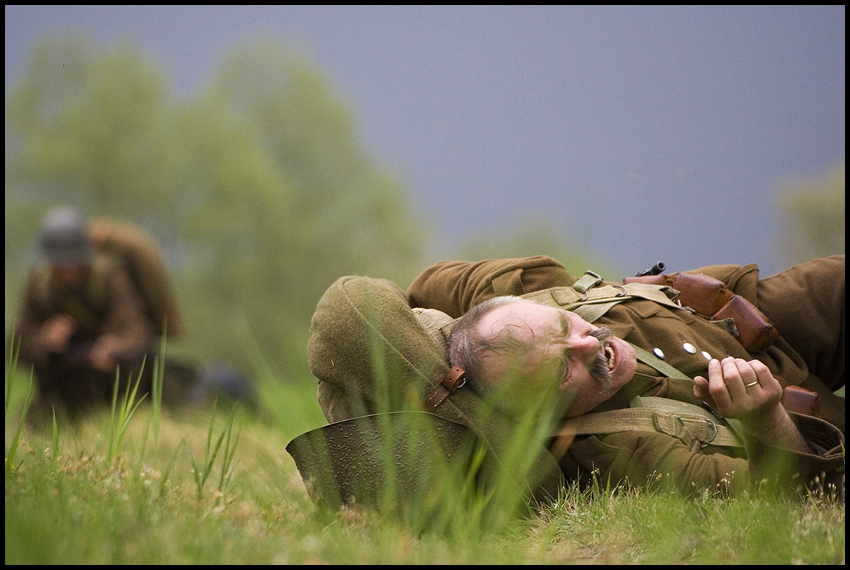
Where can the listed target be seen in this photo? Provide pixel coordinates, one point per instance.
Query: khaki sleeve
(806, 304)
(823, 466)
(453, 287)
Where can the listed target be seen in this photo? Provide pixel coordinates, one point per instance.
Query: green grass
(216, 486)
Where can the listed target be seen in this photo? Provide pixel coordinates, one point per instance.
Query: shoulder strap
(590, 299)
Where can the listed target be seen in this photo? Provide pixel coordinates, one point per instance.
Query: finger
(701, 391)
(747, 375)
(717, 384)
(768, 384)
(731, 387)
(763, 375)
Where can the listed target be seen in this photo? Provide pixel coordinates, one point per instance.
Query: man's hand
(103, 353)
(747, 391)
(56, 332)
(739, 389)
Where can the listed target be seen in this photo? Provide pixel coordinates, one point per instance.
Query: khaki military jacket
(687, 342)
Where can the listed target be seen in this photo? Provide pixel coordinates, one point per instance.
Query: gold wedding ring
(751, 384)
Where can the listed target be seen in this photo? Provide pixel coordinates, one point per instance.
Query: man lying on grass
(691, 399)
(712, 379)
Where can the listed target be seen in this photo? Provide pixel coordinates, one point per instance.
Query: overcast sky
(646, 133)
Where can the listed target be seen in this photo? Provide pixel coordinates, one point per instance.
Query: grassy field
(153, 486)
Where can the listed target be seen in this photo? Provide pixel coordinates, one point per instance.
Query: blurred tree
(90, 128)
(325, 210)
(259, 189)
(814, 216)
(343, 202)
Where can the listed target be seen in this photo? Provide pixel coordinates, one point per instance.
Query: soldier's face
(586, 363)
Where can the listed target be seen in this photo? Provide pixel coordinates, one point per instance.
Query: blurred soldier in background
(101, 299)
(81, 319)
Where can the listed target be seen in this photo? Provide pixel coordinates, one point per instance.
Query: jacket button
(659, 353)
(689, 348)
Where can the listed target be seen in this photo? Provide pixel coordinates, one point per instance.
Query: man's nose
(583, 345)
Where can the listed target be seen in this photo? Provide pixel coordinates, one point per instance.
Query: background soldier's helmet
(64, 237)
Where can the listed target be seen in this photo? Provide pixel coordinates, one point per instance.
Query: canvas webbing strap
(693, 425)
(587, 281)
(727, 433)
(591, 303)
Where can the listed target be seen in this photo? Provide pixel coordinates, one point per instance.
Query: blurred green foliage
(258, 189)
(814, 216)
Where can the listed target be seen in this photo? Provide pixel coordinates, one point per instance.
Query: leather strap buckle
(454, 379)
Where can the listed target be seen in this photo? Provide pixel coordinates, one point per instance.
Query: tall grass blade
(202, 471)
(129, 405)
(11, 372)
(14, 349)
(229, 452)
(169, 466)
(156, 395)
(13, 448)
(55, 437)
